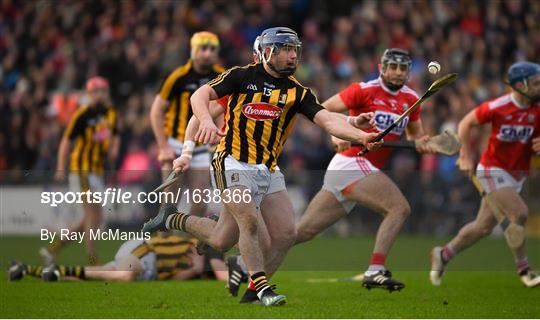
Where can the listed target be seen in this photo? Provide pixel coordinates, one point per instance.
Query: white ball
(434, 67)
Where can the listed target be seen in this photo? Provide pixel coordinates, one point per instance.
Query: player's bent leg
(198, 181)
(377, 192)
(278, 214)
(466, 237)
(93, 218)
(511, 203)
(127, 268)
(245, 215)
(323, 211)
(220, 235)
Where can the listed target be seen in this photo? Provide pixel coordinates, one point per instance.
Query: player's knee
(522, 215)
(222, 245)
(403, 209)
(305, 233)
(249, 224)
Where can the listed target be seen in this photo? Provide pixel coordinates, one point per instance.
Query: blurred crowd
(49, 48)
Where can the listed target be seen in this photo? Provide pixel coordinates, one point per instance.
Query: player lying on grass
(503, 167)
(264, 100)
(163, 257)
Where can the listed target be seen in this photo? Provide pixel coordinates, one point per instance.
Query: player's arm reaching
(347, 128)
(183, 161)
(465, 160)
(415, 131)
(200, 102)
(339, 125)
(336, 104)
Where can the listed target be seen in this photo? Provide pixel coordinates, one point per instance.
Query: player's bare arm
(63, 151)
(183, 161)
(115, 149)
(336, 104)
(337, 125)
(415, 131)
(166, 152)
(200, 102)
(465, 161)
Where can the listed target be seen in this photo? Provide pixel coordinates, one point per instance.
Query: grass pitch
(481, 283)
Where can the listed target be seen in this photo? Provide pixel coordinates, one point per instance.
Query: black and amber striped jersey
(177, 89)
(172, 253)
(260, 113)
(91, 129)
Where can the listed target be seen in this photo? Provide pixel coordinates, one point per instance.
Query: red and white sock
(522, 265)
(377, 262)
(447, 253)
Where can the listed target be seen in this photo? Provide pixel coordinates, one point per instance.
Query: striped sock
(34, 271)
(447, 253)
(177, 221)
(522, 265)
(251, 286)
(260, 282)
(72, 271)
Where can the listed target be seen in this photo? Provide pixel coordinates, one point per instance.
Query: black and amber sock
(177, 221)
(260, 282)
(34, 271)
(72, 271)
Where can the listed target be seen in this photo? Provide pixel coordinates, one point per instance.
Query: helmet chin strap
(526, 95)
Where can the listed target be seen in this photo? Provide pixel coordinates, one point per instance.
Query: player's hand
(367, 141)
(208, 133)
(466, 164)
(166, 153)
(536, 145)
(363, 121)
(422, 145)
(181, 163)
(340, 144)
(60, 175)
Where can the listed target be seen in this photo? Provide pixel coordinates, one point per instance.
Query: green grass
(481, 283)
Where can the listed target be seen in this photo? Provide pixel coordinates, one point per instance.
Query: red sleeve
(353, 96)
(483, 113)
(223, 102)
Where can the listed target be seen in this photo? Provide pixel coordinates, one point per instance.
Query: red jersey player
(352, 179)
(515, 136)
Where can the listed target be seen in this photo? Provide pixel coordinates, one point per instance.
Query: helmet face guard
(278, 39)
(396, 56)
